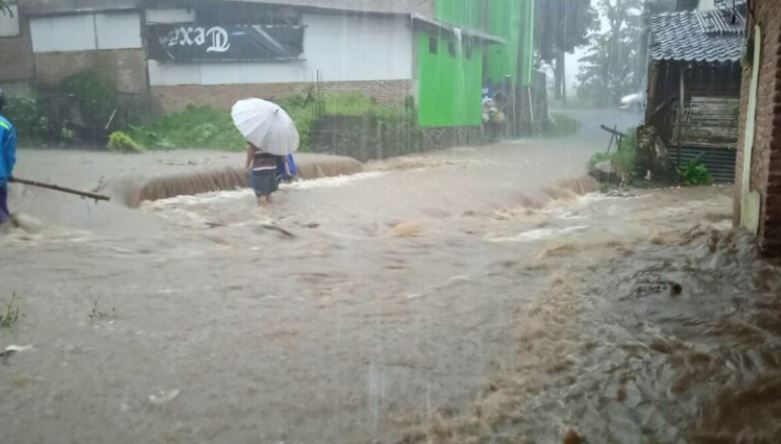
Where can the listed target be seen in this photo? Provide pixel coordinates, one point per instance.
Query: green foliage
(206, 127)
(25, 113)
(122, 143)
(695, 173)
(96, 93)
(193, 127)
(10, 312)
(562, 125)
(613, 65)
(623, 160)
(4, 8)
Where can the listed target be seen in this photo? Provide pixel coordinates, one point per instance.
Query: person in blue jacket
(7, 160)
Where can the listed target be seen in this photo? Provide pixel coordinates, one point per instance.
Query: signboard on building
(196, 42)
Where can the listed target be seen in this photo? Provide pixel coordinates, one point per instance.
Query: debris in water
(675, 288)
(406, 230)
(572, 437)
(11, 349)
(279, 230)
(163, 397)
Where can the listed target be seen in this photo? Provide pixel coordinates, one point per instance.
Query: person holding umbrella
(262, 168)
(271, 138)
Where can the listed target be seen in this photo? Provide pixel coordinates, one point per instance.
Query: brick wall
(766, 155)
(126, 67)
(175, 98)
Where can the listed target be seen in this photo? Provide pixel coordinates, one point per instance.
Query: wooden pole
(681, 107)
(34, 183)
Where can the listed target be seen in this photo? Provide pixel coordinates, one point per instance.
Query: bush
(206, 127)
(25, 113)
(562, 125)
(96, 93)
(695, 173)
(120, 142)
(623, 160)
(193, 127)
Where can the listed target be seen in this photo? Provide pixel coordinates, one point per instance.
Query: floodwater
(472, 295)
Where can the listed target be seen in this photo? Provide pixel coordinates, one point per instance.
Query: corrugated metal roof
(366, 6)
(698, 36)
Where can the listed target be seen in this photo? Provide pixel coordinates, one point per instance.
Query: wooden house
(694, 77)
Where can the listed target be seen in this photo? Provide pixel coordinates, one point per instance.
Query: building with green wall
(449, 79)
(475, 42)
(512, 20)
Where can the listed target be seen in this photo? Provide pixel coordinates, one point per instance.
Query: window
(9, 22)
(433, 45)
(451, 48)
(468, 51)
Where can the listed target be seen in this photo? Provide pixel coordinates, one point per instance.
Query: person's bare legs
(264, 201)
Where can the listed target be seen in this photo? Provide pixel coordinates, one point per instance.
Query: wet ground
(472, 295)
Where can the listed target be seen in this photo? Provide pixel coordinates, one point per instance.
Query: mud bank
(672, 336)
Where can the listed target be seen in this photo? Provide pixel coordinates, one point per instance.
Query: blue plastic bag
(286, 168)
(292, 169)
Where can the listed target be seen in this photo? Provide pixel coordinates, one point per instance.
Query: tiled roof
(697, 36)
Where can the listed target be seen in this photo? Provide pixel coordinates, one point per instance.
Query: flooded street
(484, 294)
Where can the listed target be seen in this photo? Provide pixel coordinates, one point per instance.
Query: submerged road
(357, 309)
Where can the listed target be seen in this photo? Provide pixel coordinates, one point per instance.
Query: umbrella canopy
(266, 125)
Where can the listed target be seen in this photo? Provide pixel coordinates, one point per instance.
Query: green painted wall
(505, 22)
(526, 62)
(461, 12)
(512, 20)
(448, 86)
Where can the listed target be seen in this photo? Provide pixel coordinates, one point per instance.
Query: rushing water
(473, 295)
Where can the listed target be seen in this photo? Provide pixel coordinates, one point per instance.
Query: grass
(122, 143)
(695, 173)
(193, 127)
(206, 127)
(11, 312)
(622, 159)
(562, 125)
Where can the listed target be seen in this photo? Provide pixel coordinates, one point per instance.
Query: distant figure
(262, 169)
(7, 160)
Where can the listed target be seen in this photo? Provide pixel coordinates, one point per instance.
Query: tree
(562, 26)
(616, 62)
(610, 68)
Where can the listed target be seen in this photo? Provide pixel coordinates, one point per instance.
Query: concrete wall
(16, 56)
(178, 97)
(385, 6)
(109, 43)
(84, 32)
(126, 67)
(765, 173)
(354, 54)
(9, 23)
(344, 48)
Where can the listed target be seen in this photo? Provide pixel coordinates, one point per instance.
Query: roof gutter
(424, 21)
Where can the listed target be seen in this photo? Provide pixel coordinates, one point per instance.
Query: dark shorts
(5, 215)
(264, 182)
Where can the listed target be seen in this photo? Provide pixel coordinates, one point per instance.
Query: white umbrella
(266, 125)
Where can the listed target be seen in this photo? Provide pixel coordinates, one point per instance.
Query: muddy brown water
(471, 295)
